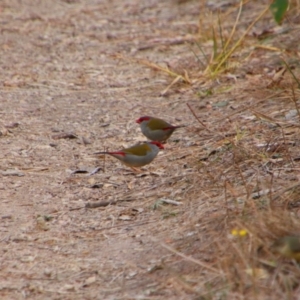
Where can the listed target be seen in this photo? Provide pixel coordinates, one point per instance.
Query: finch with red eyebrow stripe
(156, 129)
(137, 155)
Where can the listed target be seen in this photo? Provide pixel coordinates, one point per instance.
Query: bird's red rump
(168, 128)
(118, 153)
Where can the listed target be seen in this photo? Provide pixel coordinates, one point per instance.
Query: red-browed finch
(156, 129)
(138, 155)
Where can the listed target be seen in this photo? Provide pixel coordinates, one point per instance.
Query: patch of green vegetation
(278, 9)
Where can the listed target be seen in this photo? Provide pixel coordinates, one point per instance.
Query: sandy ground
(61, 74)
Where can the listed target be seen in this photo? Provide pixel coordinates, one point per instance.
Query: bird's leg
(136, 170)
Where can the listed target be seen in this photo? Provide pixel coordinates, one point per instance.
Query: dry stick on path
(95, 205)
(196, 117)
(129, 198)
(100, 204)
(121, 225)
(196, 261)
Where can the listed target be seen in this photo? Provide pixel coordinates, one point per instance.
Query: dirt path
(64, 70)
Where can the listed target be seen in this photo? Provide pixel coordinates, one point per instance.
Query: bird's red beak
(138, 121)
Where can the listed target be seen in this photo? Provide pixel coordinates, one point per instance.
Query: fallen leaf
(125, 218)
(257, 273)
(64, 136)
(89, 281)
(12, 125)
(12, 172)
(3, 131)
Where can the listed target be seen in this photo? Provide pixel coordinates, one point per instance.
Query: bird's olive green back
(139, 150)
(157, 124)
